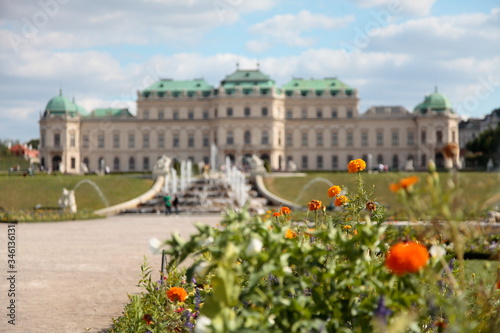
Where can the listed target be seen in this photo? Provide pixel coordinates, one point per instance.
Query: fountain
(67, 200)
(309, 184)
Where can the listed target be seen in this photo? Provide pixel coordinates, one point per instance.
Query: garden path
(73, 277)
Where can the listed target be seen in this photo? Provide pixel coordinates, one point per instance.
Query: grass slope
(18, 192)
(476, 187)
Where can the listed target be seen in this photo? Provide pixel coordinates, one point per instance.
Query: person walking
(175, 203)
(168, 204)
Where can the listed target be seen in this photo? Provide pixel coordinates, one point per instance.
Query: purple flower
(382, 311)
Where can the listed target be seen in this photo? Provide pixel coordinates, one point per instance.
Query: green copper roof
(110, 112)
(187, 85)
(319, 86)
(247, 78)
(434, 102)
(60, 105)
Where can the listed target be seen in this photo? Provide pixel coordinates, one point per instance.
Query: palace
(306, 124)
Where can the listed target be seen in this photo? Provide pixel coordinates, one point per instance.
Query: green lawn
(476, 188)
(17, 192)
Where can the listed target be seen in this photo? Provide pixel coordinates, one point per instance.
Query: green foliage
(326, 273)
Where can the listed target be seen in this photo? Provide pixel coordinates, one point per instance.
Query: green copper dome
(434, 102)
(60, 105)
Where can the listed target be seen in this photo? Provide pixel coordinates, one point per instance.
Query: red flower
(276, 214)
(148, 319)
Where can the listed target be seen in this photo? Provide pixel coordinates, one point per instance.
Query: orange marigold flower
(285, 210)
(346, 227)
(307, 232)
(404, 183)
(406, 257)
(355, 232)
(334, 191)
(276, 214)
(177, 294)
(290, 234)
(355, 166)
(314, 204)
(341, 200)
(370, 205)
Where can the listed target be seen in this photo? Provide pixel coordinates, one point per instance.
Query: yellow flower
(341, 200)
(334, 191)
(355, 166)
(346, 227)
(290, 234)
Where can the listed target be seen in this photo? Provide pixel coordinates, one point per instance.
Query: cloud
(402, 7)
(80, 25)
(288, 29)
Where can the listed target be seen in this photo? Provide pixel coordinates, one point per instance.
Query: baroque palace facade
(311, 124)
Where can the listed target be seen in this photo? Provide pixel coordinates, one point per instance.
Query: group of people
(169, 203)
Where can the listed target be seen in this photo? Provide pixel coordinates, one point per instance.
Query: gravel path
(75, 276)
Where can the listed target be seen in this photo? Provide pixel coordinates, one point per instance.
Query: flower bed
(338, 272)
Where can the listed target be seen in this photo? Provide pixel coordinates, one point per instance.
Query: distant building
(312, 124)
(26, 152)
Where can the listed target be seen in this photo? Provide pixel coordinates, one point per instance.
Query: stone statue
(67, 200)
(162, 166)
(291, 166)
(409, 165)
(256, 164)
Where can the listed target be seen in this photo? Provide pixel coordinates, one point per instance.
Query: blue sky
(393, 51)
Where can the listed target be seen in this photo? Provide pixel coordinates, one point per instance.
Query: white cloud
(400, 7)
(288, 29)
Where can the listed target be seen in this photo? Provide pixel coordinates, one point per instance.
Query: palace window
(265, 112)
(319, 139)
(229, 138)
(319, 162)
(145, 140)
(145, 163)
(319, 113)
(364, 139)
(116, 164)
(191, 140)
(395, 138)
(380, 138)
(305, 140)
(57, 140)
(161, 140)
(116, 140)
(191, 114)
(161, 114)
(304, 162)
(335, 162)
(206, 140)
(289, 139)
(100, 141)
(335, 139)
(72, 139)
(411, 138)
(175, 141)
(265, 137)
(247, 111)
(247, 137)
(131, 163)
(350, 138)
(229, 112)
(131, 140)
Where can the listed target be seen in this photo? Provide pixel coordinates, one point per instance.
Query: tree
(486, 146)
(34, 143)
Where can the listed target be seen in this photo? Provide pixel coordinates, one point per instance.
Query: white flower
(154, 245)
(254, 247)
(203, 324)
(287, 270)
(201, 269)
(207, 241)
(437, 251)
